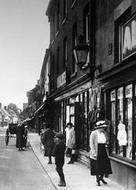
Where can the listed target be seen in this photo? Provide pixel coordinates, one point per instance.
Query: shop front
(77, 106)
(120, 93)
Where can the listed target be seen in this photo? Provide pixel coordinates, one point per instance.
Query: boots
(62, 183)
(101, 179)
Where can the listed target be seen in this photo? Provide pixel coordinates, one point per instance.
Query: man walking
(59, 153)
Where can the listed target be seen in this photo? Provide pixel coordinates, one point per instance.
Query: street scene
(68, 94)
(20, 170)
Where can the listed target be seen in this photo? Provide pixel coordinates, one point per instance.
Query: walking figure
(59, 154)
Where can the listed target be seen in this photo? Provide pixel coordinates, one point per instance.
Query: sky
(24, 38)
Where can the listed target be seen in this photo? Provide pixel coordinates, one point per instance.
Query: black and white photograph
(67, 94)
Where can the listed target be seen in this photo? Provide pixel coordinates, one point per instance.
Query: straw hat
(101, 124)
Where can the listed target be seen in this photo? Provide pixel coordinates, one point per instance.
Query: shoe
(98, 183)
(70, 162)
(62, 184)
(104, 182)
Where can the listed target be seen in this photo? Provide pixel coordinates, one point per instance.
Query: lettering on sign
(61, 80)
(128, 41)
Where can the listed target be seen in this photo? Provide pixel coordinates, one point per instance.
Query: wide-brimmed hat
(101, 124)
(60, 136)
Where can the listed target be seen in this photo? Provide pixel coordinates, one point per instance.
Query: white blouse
(101, 137)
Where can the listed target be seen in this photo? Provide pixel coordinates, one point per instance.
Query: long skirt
(102, 164)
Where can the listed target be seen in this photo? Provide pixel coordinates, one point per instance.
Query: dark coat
(59, 153)
(48, 142)
(20, 137)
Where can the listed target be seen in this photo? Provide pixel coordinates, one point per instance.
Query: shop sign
(61, 80)
(128, 40)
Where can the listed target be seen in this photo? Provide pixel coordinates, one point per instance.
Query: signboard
(61, 80)
(128, 40)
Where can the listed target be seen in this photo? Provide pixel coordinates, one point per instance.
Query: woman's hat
(101, 124)
(60, 136)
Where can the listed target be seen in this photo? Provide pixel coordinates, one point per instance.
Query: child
(59, 154)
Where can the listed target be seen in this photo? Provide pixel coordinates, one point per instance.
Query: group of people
(21, 136)
(59, 145)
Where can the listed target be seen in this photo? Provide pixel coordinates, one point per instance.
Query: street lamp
(82, 57)
(81, 53)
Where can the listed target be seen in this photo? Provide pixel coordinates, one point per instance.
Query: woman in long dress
(100, 163)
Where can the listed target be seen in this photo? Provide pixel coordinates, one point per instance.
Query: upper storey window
(125, 37)
(65, 53)
(58, 16)
(86, 23)
(128, 38)
(64, 9)
(74, 40)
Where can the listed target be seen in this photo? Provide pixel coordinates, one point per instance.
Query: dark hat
(101, 124)
(60, 136)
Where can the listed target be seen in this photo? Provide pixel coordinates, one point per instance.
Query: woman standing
(70, 141)
(100, 163)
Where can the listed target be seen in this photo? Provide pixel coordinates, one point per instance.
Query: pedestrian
(59, 154)
(25, 135)
(99, 162)
(70, 141)
(20, 137)
(48, 142)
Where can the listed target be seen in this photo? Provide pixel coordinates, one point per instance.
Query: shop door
(79, 124)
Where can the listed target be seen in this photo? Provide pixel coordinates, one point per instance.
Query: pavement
(77, 175)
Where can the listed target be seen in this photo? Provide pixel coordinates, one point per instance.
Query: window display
(122, 132)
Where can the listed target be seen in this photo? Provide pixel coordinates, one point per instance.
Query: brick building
(103, 86)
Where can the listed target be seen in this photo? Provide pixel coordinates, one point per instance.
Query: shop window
(113, 124)
(122, 131)
(128, 119)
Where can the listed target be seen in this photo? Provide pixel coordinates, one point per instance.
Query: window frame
(115, 150)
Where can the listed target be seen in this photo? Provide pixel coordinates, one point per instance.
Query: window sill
(123, 161)
(64, 20)
(57, 33)
(74, 74)
(73, 4)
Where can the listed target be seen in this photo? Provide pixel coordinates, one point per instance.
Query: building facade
(70, 83)
(85, 93)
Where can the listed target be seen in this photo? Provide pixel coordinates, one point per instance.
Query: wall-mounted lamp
(81, 52)
(82, 57)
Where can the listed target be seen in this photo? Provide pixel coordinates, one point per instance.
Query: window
(74, 65)
(65, 53)
(123, 36)
(64, 9)
(122, 132)
(58, 16)
(86, 23)
(53, 27)
(58, 60)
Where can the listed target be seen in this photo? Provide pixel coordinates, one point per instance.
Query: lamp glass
(80, 54)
